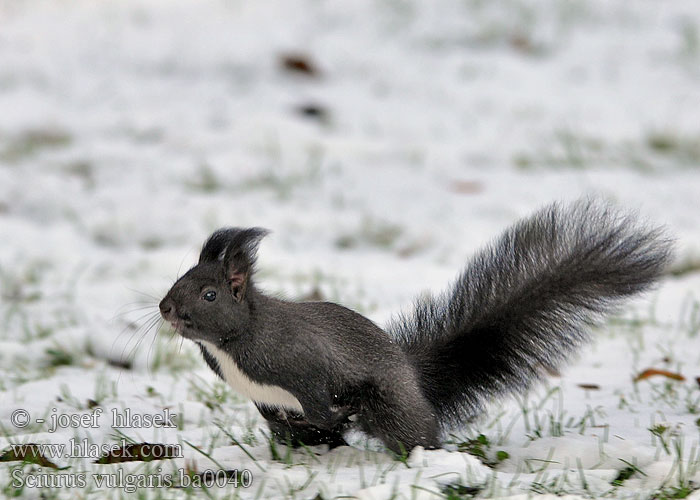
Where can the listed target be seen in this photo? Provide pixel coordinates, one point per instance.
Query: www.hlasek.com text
(82, 448)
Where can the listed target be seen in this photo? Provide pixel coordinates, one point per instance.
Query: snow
(130, 130)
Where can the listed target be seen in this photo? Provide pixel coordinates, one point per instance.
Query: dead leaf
(592, 387)
(30, 453)
(299, 63)
(139, 452)
(313, 111)
(651, 372)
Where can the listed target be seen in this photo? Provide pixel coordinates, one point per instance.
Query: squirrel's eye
(210, 296)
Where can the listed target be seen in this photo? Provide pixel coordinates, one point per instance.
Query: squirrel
(521, 307)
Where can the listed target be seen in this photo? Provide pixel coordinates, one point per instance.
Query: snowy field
(383, 142)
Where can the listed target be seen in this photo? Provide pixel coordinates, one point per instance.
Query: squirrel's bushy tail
(525, 303)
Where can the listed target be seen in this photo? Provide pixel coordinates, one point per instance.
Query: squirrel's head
(209, 301)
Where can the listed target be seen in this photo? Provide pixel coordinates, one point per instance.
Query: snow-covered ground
(416, 131)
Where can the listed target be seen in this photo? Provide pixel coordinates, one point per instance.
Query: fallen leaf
(119, 363)
(651, 372)
(299, 63)
(313, 111)
(29, 453)
(138, 452)
(593, 387)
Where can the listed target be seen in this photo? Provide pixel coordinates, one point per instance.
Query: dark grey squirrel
(522, 306)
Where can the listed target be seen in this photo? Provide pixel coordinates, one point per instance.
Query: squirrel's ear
(239, 259)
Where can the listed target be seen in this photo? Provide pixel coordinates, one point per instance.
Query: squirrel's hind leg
(293, 429)
(400, 416)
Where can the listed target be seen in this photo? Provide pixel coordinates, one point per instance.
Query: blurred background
(382, 141)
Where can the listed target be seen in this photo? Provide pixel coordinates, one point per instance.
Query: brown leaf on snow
(592, 387)
(138, 452)
(29, 453)
(651, 372)
(299, 64)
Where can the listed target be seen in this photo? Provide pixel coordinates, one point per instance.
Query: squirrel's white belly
(269, 394)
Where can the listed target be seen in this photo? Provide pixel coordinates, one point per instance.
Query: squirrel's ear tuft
(215, 248)
(216, 245)
(239, 258)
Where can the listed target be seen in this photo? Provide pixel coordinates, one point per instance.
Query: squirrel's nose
(167, 308)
